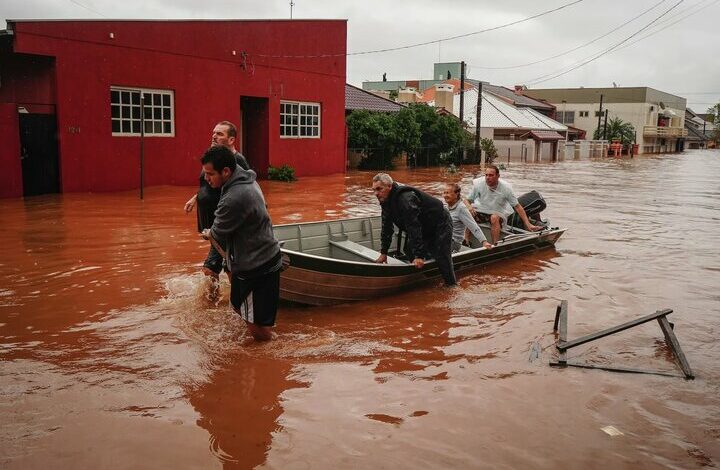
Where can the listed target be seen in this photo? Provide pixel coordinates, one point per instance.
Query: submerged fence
(507, 152)
(382, 159)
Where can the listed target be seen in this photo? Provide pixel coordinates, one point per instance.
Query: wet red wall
(195, 59)
(12, 185)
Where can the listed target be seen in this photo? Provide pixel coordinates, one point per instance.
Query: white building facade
(658, 117)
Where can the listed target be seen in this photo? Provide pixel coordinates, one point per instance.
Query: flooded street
(111, 356)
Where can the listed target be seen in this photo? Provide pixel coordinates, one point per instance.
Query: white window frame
(300, 117)
(565, 115)
(159, 112)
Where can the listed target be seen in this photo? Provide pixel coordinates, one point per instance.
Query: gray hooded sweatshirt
(242, 222)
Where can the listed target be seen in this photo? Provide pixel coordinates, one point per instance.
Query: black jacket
(414, 212)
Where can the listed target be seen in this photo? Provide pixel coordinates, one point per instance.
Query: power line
(653, 33)
(435, 41)
(553, 75)
(87, 8)
(574, 48)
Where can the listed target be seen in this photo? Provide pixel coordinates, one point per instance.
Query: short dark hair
(232, 130)
(497, 170)
(456, 188)
(220, 157)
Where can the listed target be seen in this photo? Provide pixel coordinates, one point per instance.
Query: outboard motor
(534, 204)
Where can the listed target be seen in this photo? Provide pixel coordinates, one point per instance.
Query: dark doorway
(39, 155)
(255, 133)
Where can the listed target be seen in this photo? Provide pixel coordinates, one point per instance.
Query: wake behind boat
(332, 262)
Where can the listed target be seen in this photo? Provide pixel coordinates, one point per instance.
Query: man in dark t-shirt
(207, 198)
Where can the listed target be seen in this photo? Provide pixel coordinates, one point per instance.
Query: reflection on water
(112, 354)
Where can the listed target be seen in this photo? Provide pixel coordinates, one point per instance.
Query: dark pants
(214, 262)
(440, 247)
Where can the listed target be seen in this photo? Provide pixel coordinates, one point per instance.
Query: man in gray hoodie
(243, 224)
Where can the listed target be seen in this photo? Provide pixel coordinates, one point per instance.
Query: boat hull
(314, 279)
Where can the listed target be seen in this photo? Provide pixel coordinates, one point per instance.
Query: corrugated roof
(356, 98)
(544, 120)
(519, 100)
(499, 114)
(546, 135)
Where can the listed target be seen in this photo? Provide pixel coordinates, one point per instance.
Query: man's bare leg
(259, 333)
(495, 221)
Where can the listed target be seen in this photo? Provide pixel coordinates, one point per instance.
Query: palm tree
(617, 129)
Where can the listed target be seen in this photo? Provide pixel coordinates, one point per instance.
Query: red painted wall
(11, 184)
(195, 59)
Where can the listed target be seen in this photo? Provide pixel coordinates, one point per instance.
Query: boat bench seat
(362, 251)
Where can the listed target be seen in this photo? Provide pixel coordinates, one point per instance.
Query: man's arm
(523, 216)
(228, 219)
(386, 234)
(474, 228)
(191, 203)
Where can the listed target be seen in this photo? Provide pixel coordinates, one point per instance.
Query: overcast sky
(677, 54)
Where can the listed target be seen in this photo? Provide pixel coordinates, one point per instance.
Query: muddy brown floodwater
(112, 357)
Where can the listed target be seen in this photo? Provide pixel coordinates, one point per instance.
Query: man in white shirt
(493, 200)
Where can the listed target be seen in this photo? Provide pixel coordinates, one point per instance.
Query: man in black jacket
(425, 220)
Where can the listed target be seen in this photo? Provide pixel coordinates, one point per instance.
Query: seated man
(461, 218)
(493, 200)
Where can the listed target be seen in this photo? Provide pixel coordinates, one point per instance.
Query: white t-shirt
(500, 200)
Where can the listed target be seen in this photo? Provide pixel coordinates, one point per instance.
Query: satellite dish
(662, 105)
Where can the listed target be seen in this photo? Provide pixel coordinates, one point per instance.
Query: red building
(75, 96)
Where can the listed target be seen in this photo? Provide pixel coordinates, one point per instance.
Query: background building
(658, 117)
(75, 95)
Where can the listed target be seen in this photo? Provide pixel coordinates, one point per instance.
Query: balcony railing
(657, 131)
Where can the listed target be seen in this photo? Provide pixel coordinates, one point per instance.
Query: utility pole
(605, 126)
(142, 145)
(600, 115)
(292, 4)
(462, 103)
(462, 92)
(477, 122)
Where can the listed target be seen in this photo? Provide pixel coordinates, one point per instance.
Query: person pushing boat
(425, 220)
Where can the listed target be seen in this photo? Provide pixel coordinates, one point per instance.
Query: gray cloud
(679, 59)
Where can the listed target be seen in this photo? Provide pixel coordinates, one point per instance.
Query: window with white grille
(128, 112)
(299, 120)
(567, 117)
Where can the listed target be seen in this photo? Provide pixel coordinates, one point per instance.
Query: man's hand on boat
(418, 262)
(533, 228)
(190, 204)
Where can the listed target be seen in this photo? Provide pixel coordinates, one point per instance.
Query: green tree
(488, 146)
(382, 136)
(617, 129)
(440, 134)
(714, 112)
